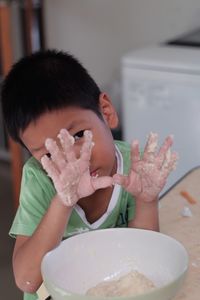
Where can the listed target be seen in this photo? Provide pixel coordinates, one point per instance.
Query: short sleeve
(36, 193)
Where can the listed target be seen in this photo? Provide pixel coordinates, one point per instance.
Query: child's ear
(108, 111)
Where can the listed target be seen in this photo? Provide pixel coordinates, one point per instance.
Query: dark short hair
(45, 81)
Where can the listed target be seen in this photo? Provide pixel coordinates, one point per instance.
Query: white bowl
(83, 261)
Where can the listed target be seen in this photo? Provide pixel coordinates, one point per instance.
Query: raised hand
(148, 174)
(71, 175)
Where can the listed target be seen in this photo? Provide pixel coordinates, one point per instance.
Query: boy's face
(76, 120)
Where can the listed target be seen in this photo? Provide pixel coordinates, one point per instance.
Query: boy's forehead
(49, 124)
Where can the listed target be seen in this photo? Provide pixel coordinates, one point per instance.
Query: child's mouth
(94, 173)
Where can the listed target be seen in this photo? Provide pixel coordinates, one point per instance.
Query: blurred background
(106, 36)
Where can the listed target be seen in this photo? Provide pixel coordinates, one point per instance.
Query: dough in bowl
(131, 284)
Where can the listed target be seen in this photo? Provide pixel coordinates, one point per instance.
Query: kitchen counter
(185, 229)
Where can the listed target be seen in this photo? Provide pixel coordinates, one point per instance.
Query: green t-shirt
(37, 191)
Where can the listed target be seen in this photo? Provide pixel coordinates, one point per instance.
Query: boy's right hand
(71, 175)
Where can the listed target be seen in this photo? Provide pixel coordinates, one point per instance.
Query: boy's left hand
(148, 174)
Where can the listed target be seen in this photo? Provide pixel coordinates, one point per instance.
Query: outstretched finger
(86, 149)
(164, 153)
(56, 154)
(50, 168)
(67, 143)
(151, 147)
(170, 163)
(135, 152)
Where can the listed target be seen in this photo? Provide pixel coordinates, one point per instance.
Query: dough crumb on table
(133, 283)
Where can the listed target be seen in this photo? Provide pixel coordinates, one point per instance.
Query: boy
(54, 108)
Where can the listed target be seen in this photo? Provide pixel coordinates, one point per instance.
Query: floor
(8, 289)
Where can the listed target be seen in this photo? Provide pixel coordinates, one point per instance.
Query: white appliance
(161, 93)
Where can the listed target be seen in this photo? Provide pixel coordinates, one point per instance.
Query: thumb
(121, 179)
(101, 182)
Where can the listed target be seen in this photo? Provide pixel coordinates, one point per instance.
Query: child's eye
(48, 155)
(78, 135)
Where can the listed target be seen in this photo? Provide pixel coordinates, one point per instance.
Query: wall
(100, 32)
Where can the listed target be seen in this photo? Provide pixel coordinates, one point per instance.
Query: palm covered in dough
(71, 175)
(148, 174)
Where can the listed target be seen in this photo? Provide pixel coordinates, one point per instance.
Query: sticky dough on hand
(71, 175)
(148, 174)
(64, 168)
